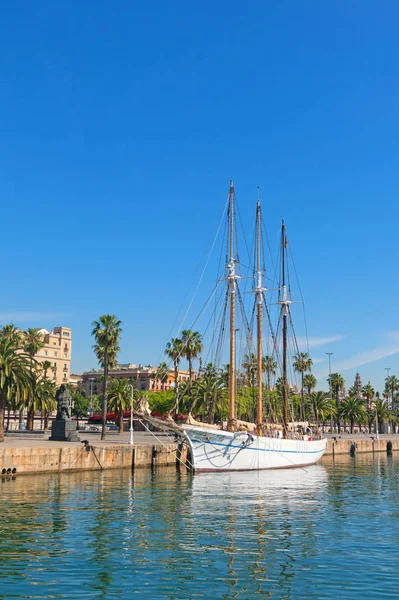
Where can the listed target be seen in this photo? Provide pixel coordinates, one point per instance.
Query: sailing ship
(235, 448)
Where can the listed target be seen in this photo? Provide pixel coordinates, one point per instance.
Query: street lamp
(130, 388)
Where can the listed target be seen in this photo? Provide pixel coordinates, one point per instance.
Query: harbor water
(327, 531)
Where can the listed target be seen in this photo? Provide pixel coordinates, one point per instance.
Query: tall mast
(259, 306)
(231, 278)
(284, 302)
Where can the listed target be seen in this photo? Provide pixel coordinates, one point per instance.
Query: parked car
(111, 427)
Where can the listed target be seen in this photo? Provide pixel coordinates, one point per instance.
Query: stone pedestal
(64, 431)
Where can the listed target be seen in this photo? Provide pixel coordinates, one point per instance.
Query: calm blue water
(329, 532)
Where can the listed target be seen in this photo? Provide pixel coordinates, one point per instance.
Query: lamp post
(130, 388)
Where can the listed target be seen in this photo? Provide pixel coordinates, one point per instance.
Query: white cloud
(370, 356)
(30, 316)
(315, 342)
(316, 361)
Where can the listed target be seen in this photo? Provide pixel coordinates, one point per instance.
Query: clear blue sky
(122, 123)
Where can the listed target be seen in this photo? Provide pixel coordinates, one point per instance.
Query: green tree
(309, 382)
(11, 333)
(210, 393)
(369, 393)
(80, 406)
(33, 342)
(192, 347)
(46, 366)
(321, 404)
(391, 386)
(14, 377)
(249, 364)
(45, 391)
(161, 402)
(119, 398)
(382, 412)
(174, 350)
(353, 410)
(107, 333)
(302, 364)
(336, 382)
(162, 374)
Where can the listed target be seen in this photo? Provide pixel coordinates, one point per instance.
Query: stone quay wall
(69, 457)
(83, 458)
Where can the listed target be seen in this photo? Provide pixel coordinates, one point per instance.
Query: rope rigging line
(203, 270)
(245, 320)
(302, 299)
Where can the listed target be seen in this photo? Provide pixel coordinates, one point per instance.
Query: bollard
(352, 449)
(389, 448)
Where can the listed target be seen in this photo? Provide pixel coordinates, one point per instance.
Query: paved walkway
(37, 440)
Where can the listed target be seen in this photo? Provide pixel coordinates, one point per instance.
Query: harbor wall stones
(358, 446)
(82, 458)
(69, 457)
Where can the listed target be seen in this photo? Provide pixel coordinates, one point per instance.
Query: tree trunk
(302, 404)
(8, 419)
(104, 415)
(30, 418)
(352, 424)
(337, 405)
(190, 367)
(2, 412)
(121, 420)
(46, 417)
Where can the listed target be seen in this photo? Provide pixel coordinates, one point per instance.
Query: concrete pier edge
(49, 458)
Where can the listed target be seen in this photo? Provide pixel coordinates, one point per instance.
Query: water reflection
(326, 532)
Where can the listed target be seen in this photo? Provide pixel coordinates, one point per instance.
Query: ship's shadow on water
(327, 531)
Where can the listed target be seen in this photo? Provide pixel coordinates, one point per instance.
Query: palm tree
(174, 350)
(353, 410)
(391, 386)
(192, 347)
(302, 363)
(382, 412)
(336, 382)
(107, 333)
(119, 398)
(369, 393)
(162, 374)
(14, 377)
(46, 365)
(309, 382)
(13, 334)
(45, 398)
(322, 406)
(33, 342)
(209, 393)
(249, 364)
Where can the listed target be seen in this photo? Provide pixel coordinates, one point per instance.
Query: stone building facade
(58, 351)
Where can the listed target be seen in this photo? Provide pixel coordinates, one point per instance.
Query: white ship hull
(217, 450)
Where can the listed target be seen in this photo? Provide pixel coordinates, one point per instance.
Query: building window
(45, 353)
(55, 353)
(66, 333)
(65, 354)
(143, 386)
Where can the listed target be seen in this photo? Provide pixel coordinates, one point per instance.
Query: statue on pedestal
(64, 404)
(63, 428)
